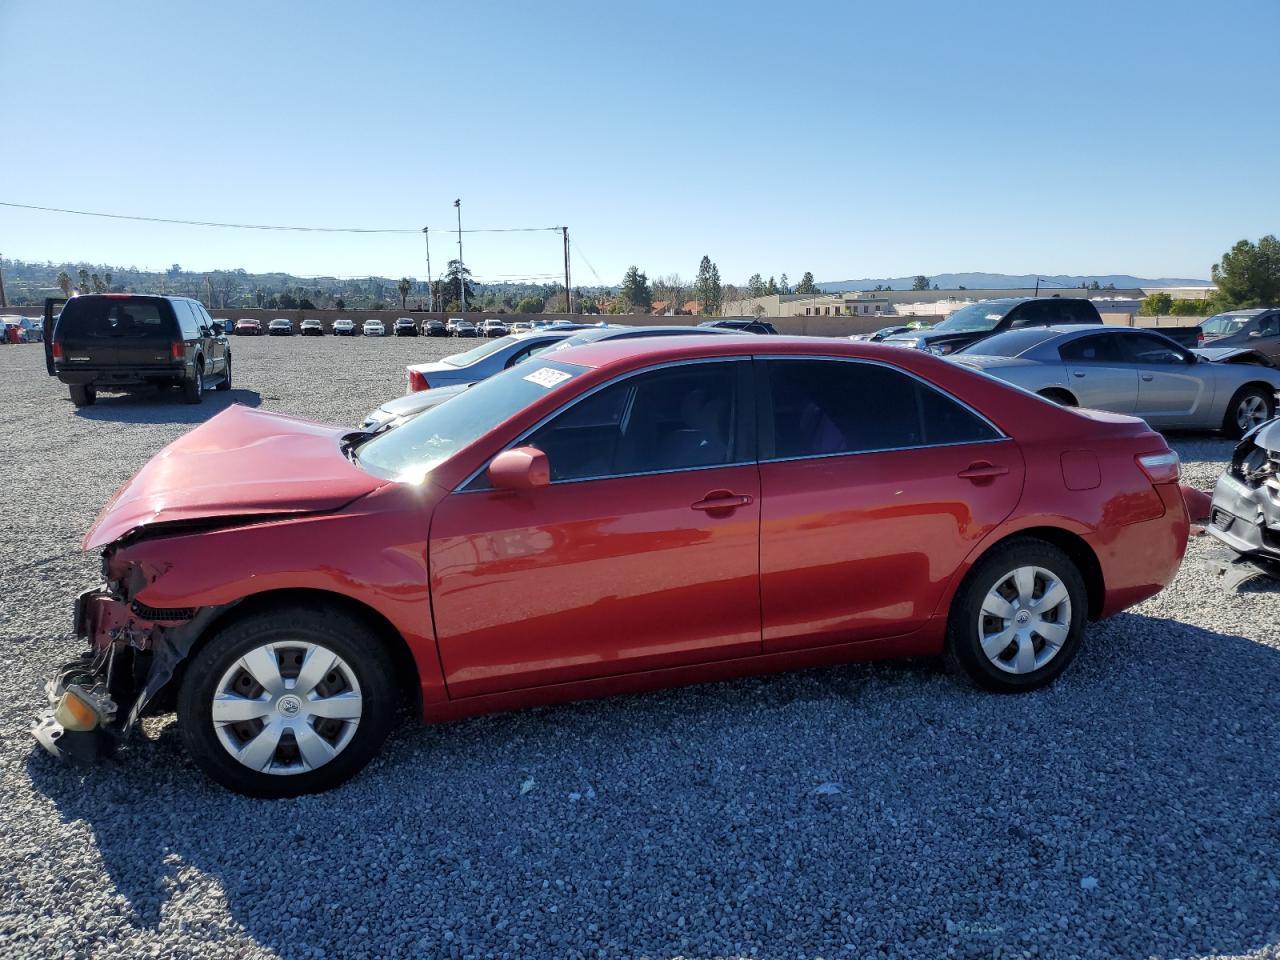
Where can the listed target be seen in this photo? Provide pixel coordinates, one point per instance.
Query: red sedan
(625, 516)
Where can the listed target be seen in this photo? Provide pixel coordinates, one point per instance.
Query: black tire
(83, 394)
(1060, 397)
(1231, 425)
(193, 389)
(345, 636)
(964, 651)
(225, 383)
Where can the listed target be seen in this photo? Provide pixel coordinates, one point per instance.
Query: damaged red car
(626, 516)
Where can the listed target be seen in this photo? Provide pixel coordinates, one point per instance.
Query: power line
(259, 226)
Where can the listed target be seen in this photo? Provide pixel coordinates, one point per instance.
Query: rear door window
(831, 407)
(108, 318)
(1101, 348)
(187, 319)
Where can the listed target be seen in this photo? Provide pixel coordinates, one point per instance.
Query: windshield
(1224, 324)
(976, 317)
(1011, 343)
(411, 451)
(485, 349)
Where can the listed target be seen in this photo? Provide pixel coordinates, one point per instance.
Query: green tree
(635, 290)
(921, 282)
(339, 303)
(784, 286)
(403, 287)
(1156, 304)
(771, 287)
(1191, 308)
(1249, 274)
(449, 290)
(806, 284)
(83, 276)
(755, 286)
(64, 283)
(529, 304)
(706, 287)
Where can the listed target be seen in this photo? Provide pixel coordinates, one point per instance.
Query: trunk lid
(243, 463)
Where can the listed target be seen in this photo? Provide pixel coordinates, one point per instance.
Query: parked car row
(18, 329)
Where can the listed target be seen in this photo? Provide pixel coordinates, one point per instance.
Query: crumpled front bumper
(1246, 519)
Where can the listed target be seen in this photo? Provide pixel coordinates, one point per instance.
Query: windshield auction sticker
(547, 377)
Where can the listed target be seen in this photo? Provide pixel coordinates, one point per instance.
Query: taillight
(178, 350)
(417, 381)
(56, 350)
(1159, 467)
(1199, 338)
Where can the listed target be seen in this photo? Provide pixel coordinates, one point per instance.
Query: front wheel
(1250, 407)
(287, 702)
(1018, 619)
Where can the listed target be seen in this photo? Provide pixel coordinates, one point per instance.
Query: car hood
(1226, 354)
(243, 464)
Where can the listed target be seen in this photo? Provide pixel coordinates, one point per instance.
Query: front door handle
(722, 500)
(982, 470)
(1077, 373)
(1147, 377)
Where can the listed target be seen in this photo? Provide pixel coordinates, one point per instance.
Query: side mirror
(522, 468)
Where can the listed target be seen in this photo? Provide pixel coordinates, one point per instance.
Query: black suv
(980, 320)
(742, 325)
(114, 340)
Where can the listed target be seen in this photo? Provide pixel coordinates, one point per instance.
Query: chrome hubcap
(286, 708)
(1025, 620)
(1251, 412)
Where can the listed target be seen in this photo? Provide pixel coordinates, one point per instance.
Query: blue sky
(850, 139)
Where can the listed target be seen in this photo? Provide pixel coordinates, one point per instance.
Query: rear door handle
(1077, 373)
(722, 500)
(981, 470)
(1147, 377)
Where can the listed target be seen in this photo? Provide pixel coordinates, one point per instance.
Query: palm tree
(64, 282)
(404, 286)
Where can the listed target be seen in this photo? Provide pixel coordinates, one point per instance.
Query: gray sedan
(1134, 371)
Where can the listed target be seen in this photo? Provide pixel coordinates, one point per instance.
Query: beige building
(905, 303)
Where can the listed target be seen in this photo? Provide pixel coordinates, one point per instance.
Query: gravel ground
(1132, 810)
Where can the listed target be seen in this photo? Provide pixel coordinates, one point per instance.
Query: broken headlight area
(134, 649)
(1245, 515)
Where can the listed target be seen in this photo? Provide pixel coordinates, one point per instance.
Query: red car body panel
(242, 462)
(595, 591)
(511, 598)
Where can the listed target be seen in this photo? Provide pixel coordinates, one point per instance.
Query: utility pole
(462, 277)
(431, 287)
(3, 303)
(568, 297)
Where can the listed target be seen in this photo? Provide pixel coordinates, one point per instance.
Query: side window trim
(765, 453)
(745, 391)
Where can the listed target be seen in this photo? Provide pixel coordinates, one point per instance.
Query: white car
(344, 328)
(374, 328)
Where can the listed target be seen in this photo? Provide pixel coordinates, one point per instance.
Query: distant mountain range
(1007, 281)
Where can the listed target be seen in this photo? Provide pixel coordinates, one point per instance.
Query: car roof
(627, 352)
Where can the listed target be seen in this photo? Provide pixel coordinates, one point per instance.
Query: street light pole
(431, 287)
(462, 277)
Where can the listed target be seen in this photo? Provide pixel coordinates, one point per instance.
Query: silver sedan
(483, 361)
(1134, 371)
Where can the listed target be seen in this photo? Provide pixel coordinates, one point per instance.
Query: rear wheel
(287, 702)
(1250, 407)
(193, 389)
(83, 394)
(226, 377)
(1018, 619)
